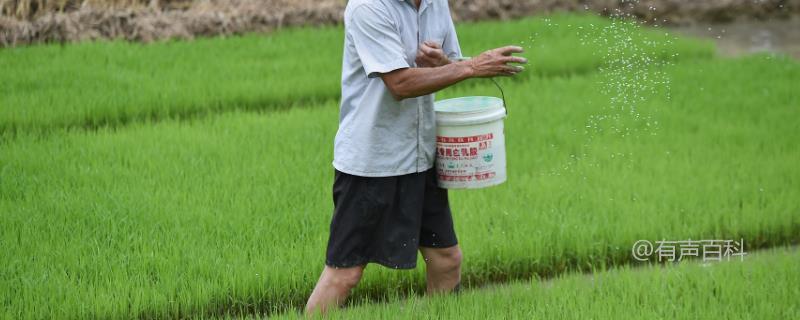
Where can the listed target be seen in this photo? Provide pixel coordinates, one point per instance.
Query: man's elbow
(399, 84)
(399, 91)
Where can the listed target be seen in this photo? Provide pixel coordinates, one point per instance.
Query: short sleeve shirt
(378, 135)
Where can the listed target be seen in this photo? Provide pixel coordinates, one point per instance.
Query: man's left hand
(431, 55)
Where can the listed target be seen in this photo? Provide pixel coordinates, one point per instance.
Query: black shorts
(386, 219)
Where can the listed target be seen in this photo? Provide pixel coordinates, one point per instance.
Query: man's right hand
(494, 62)
(414, 82)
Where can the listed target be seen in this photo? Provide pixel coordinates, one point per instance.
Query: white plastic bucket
(470, 144)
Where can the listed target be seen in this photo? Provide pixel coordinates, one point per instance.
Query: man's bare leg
(443, 268)
(332, 288)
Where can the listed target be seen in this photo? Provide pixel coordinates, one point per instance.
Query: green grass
(113, 83)
(763, 286)
(229, 213)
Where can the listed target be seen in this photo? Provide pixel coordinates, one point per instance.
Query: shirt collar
(424, 3)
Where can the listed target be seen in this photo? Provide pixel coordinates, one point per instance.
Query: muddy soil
(745, 37)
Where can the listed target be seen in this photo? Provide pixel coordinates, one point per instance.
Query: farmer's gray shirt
(379, 136)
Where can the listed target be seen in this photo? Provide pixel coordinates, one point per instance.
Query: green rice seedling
(764, 286)
(90, 85)
(228, 214)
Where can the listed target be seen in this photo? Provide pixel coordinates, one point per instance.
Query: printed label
(465, 159)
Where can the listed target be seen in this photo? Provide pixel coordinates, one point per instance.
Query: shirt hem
(376, 174)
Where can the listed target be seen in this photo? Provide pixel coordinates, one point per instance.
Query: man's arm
(414, 82)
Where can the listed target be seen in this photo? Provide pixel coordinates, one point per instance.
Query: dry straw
(31, 21)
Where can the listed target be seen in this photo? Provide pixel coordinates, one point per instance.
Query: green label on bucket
(488, 157)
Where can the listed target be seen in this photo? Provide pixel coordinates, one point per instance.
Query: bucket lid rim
(470, 118)
(496, 103)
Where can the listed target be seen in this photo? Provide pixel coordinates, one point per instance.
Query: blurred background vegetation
(33, 21)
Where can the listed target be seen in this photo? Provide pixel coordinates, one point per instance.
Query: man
(397, 53)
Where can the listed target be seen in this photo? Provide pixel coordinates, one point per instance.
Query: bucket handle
(496, 84)
(502, 94)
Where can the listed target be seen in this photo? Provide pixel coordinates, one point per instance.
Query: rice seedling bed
(763, 286)
(228, 214)
(91, 85)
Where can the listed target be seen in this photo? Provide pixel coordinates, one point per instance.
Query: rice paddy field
(193, 179)
(111, 83)
(764, 288)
